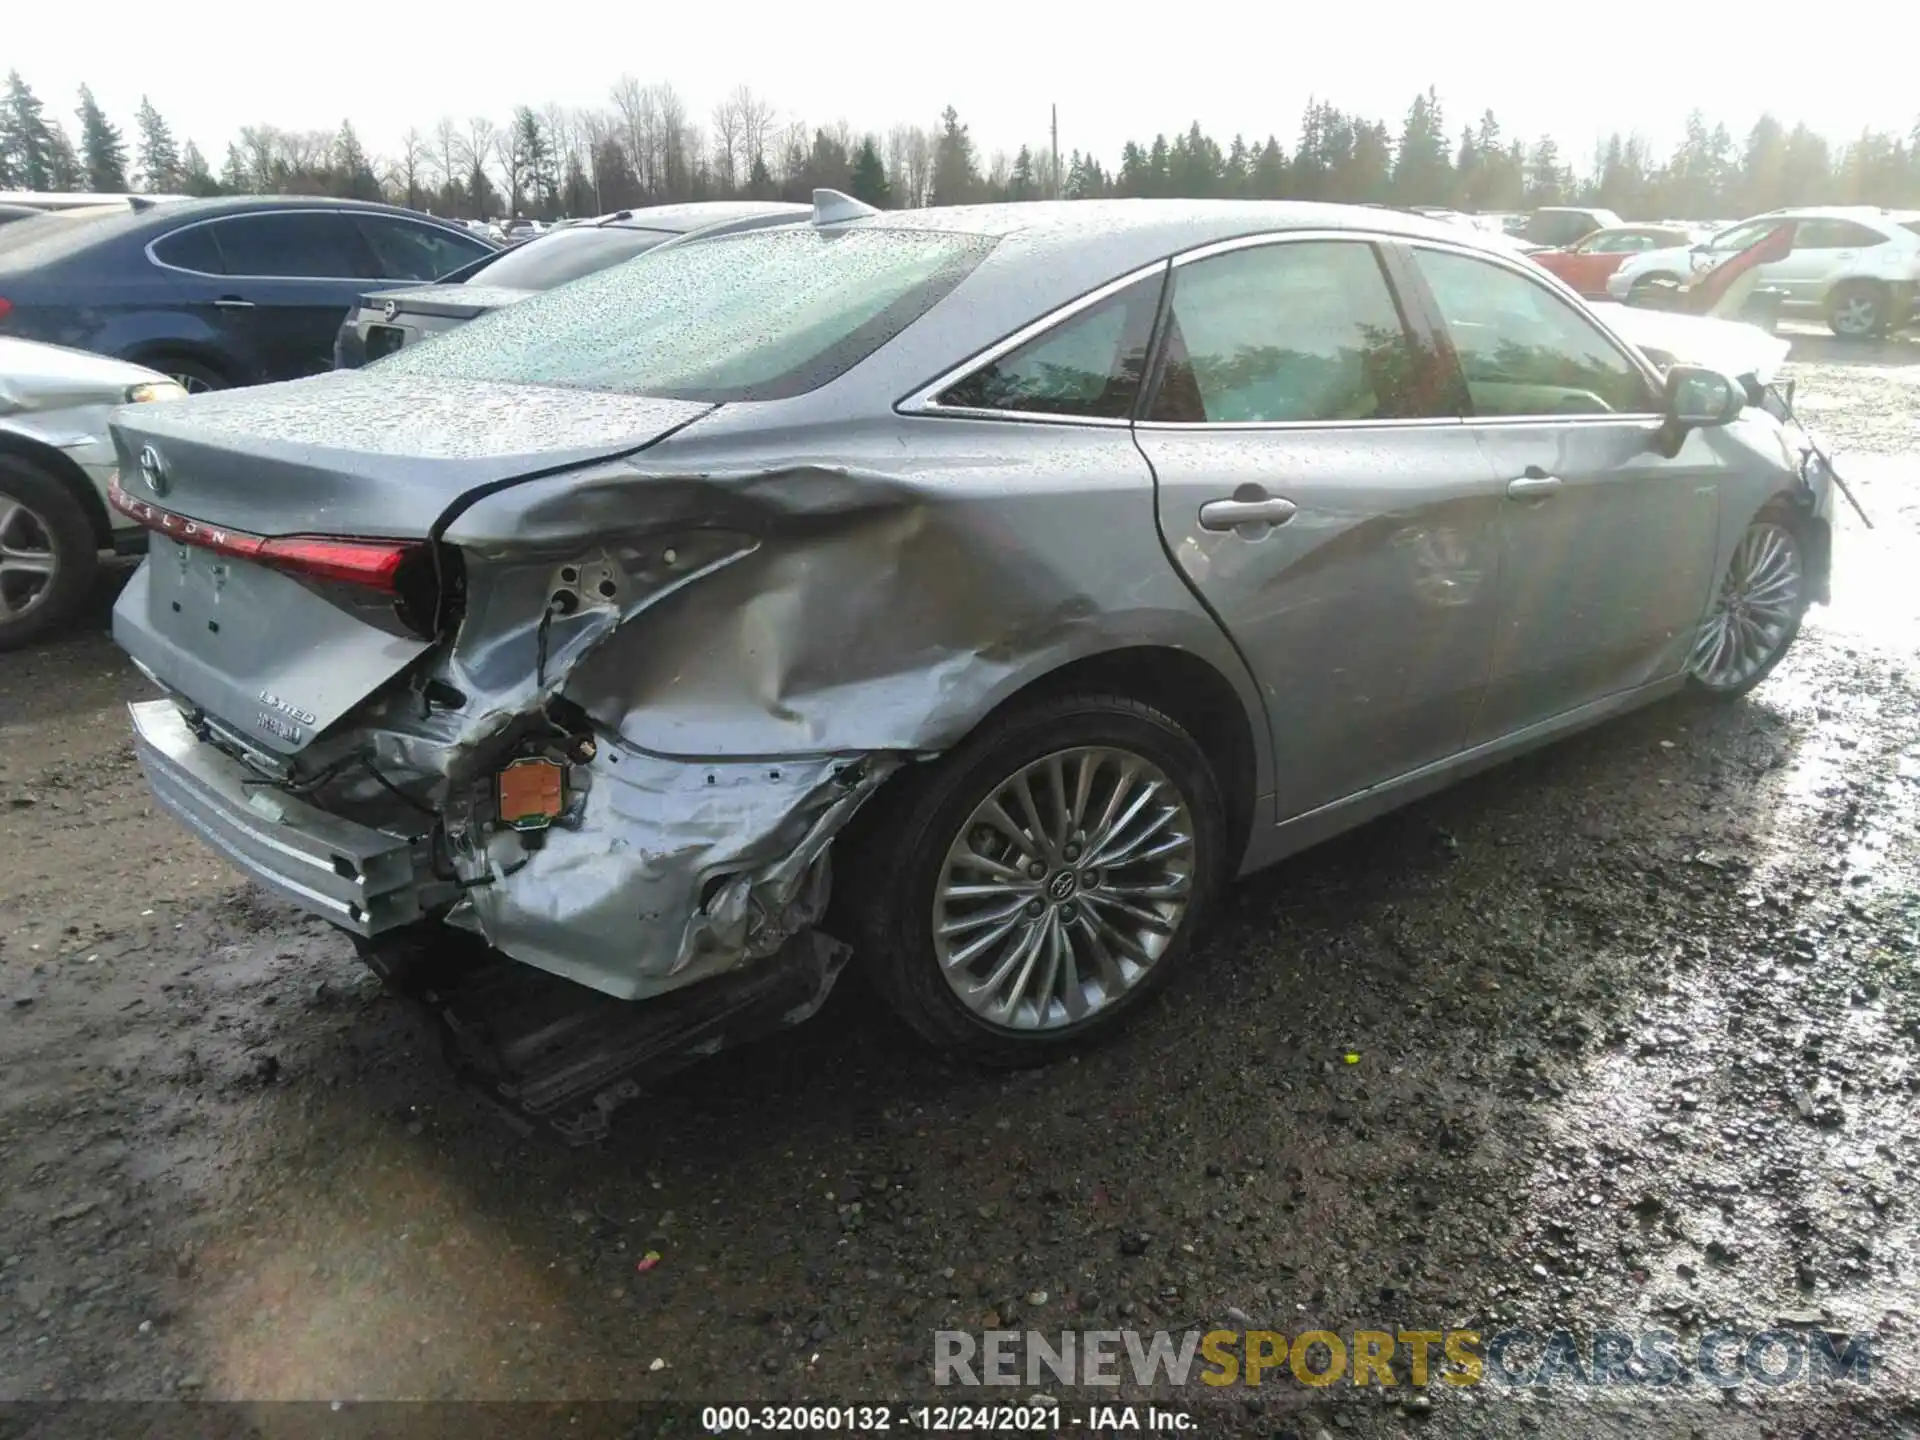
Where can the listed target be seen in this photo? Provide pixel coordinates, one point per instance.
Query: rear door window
(1835, 235)
(1088, 366)
(190, 249)
(295, 245)
(1302, 331)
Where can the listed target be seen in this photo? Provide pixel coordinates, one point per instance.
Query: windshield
(763, 315)
(565, 255)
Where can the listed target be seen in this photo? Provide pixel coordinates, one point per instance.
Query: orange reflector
(533, 792)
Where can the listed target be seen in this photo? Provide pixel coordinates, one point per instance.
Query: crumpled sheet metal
(671, 872)
(861, 612)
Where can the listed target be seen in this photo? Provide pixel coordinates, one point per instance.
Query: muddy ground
(1637, 1021)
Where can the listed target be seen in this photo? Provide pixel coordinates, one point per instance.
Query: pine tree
(64, 172)
(26, 143)
(160, 168)
(1268, 179)
(234, 178)
(868, 180)
(103, 153)
(354, 177)
(956, 179)
(1423, 172)
(195, 177)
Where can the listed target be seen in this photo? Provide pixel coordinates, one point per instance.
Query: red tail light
(5, 306)
(371, 564)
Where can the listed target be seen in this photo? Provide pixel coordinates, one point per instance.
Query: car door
(1606, 545)
(1822, 251)
(289, 277)
(1327, 504)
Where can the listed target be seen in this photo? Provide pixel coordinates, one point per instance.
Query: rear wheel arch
(1188, 689)
(63, 468)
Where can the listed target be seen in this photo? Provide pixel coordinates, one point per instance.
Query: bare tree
(475, 149)
(728, 140)
(408, 170)
(638, 109)
(675, 151)
(910, 164)
(756, 127)
(446, 153)
(515, 165)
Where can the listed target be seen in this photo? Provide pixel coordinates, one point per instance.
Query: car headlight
(155, 390)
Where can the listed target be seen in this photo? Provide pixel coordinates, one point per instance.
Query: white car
(56, 461)
(1855, 266)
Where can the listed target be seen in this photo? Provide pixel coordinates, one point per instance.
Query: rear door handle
(233, 302)
(1536, 484)
(1231, 514)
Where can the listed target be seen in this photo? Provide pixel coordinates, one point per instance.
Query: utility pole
(1056, 152)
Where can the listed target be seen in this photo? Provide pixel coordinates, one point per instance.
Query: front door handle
(1536, 484)
(1246, 510)
(233, 302)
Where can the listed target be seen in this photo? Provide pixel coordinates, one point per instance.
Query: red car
(1586, 264)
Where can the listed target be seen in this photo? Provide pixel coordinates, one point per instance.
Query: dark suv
(233, 291)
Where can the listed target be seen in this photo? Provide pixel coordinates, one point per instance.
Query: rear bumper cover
(364, 880)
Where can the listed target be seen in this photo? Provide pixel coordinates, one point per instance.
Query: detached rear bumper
(363, 880)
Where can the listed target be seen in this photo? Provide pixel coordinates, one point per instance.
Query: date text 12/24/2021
(941, 1419)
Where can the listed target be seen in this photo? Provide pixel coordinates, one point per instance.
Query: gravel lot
(1637, 1020)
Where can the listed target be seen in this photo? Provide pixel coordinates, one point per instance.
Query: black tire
(39, 510)
(1853, 299)
(886, 882)
(1794, 525)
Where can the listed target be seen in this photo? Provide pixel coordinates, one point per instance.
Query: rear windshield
(566, 255)
(762, 315)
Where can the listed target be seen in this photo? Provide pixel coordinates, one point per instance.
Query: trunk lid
(453, 302)
(275, 657)
(360, 453)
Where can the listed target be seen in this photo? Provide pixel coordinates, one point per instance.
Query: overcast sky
(1116, 72)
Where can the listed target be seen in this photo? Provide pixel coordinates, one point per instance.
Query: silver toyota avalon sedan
(973, 590)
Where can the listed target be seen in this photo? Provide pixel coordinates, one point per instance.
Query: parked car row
(1856, 267)
(979, 588)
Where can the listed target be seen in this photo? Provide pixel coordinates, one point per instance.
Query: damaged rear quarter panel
(893, 593)
(827, 615)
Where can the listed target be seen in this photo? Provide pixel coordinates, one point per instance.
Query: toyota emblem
(392, 309)
(153, 470)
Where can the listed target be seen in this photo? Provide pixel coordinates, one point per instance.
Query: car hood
(1668, 338)
(356, 452)
(461, 302)
(35, 377)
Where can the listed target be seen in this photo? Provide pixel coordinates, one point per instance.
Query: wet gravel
(1636, 1023)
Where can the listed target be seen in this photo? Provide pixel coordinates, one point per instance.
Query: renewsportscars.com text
(1647, 1359)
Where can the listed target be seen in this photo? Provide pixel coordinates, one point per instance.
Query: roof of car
(1168, 226)
(694, 214)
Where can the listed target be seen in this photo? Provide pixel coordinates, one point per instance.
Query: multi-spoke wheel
(1041, 879)
(1756, 612)
(47, 551)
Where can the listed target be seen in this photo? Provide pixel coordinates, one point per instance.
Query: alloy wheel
(28, 558)
(1856, 315)
(1756, 612)
(192, 384)
(1063, 888)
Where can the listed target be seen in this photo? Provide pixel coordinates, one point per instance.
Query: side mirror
(1697, 399)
